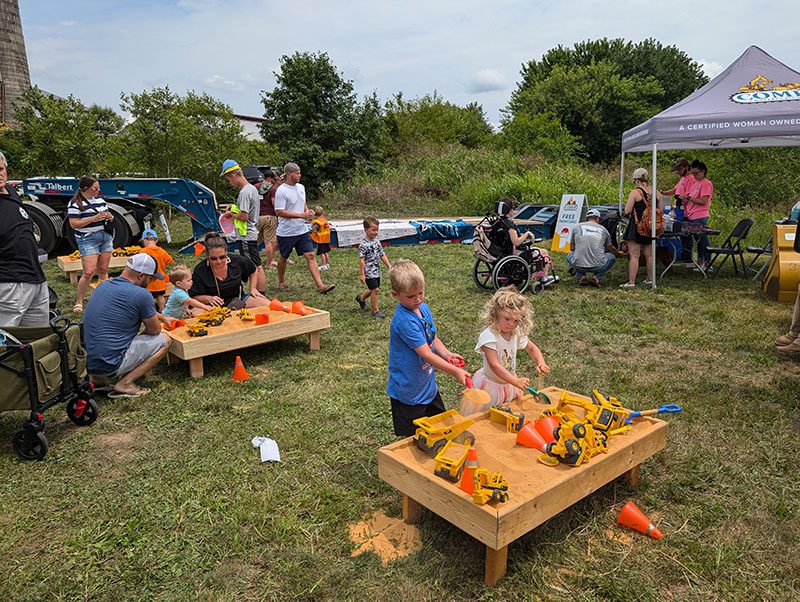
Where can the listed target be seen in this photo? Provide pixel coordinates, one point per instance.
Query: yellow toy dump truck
(214, 317)
(489, 487)
(450, 461)
(504, 415)
(433, 432)
(197, 330)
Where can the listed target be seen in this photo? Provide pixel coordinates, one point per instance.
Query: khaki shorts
(267, 226)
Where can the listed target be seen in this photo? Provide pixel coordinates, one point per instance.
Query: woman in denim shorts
(89, 216)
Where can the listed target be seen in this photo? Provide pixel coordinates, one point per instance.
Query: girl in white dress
(508, 318)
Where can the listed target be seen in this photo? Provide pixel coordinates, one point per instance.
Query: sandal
(326, 289)
(77, 308)
(627, 285)
(138, 392)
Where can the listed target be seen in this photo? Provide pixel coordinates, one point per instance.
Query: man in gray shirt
(591, 252)
(246, 220)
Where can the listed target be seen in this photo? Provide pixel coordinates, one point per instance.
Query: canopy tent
(755, 102)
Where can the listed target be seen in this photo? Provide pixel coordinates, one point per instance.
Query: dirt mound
(389, 538)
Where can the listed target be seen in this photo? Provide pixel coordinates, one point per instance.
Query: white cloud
(711, 68)
(487, 80)
(218, 82)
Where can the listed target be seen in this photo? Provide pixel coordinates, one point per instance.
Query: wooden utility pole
(14, 75)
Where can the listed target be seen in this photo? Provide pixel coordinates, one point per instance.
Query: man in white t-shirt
(293, 235)
(591, 252)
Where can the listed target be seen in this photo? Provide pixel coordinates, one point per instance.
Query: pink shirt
(684, 185)
(699, 189)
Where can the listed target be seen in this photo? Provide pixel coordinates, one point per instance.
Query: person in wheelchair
(519, 244)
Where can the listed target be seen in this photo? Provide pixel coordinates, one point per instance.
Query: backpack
(483, 243)
(644, 226)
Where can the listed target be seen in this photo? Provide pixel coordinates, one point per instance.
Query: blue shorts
(94, 243)
(300, 243)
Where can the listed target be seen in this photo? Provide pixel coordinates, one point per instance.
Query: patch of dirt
(119, 446)
(389, 538)
(619, 536)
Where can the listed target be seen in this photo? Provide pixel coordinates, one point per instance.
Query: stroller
(39, 368)
(497, 266)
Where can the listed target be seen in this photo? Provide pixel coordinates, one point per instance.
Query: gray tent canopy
(755, 102)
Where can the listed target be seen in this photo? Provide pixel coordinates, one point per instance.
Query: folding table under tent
(755, 102)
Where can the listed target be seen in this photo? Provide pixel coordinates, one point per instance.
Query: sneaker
(791, 348)
(627, 285)
(325, 266)
(378, 315)
(361, 303)
(786, 339)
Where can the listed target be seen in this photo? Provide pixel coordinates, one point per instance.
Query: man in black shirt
(24, 296)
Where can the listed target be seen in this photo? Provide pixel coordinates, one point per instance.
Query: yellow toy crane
(489, 487)
(433, 432)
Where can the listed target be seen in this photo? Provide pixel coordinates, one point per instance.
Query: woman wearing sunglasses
(219, 281)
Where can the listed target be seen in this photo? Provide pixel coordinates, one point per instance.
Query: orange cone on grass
(634, 518)
(239, 373)
(528, 436)
(470, 465)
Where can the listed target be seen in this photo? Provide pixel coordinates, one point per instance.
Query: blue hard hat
(228, 166)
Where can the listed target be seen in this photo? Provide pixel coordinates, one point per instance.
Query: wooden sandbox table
(72, 268)
(536, 492)
(235, 333)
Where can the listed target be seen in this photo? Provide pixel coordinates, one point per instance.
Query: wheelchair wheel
(482, 274)
(29, 444)
(511, 270)
(537, 287)
(82, 412)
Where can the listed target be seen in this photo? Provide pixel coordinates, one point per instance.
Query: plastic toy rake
(669, 408)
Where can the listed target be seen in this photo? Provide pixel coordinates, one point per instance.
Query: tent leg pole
(621, 183)
(654, 207)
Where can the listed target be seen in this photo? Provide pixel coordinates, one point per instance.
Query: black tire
(126, 230)
(459, 474)
(29, 444)
(537, 287)
(482, 274)
(437, 447)
(511, 270)
(579, 431)
(45, 228)
(465, 437)
(88, 415)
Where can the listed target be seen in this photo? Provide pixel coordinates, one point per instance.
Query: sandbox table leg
(313, 340)
(73, 277)
(412, 510)
(632, 477)
(496, 563)
(196, 367)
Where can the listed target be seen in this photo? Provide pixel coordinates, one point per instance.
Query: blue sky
(466, 50)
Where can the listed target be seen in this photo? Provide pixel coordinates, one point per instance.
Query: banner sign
(570, 214)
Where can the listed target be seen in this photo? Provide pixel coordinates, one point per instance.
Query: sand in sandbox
(389, 538)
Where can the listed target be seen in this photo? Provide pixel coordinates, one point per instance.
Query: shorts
(300, 243)
(267, 226)
(323, 247)
(24, 304)
(142, 347)
(94, 243)
(249, 249)
(404, 415)
(373, 283)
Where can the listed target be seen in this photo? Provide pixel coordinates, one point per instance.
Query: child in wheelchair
(505, 257)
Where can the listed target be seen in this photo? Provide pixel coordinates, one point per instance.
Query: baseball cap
(228, 166)
(149, 234)
(144, 264)
(593, 213)
(640, 174)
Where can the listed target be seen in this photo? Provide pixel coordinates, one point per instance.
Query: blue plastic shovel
(669, 408)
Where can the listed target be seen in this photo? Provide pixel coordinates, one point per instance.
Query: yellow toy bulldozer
(489, 487)
(433, 432)
(504, 415)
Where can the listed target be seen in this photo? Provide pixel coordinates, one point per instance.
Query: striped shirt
(90, 208)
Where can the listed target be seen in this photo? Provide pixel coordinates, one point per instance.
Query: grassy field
(164, 496)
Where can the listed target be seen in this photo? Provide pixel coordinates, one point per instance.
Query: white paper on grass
(269, 449)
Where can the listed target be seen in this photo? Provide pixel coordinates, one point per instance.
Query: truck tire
(126, 230)
(47, 225)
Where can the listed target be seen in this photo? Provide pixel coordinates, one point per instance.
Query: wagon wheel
(482, 274)
(511, 270)
(29, 444)
(81, 411)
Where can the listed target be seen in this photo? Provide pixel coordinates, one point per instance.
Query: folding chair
(732, 247)
(765, 249)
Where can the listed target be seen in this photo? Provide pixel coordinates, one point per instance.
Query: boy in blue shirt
(415, 351)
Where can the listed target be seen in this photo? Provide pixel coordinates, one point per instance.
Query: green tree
(180, 136)
(540, 134)
(432, 119)
(600, 88)
(313, 116)
(60, 136)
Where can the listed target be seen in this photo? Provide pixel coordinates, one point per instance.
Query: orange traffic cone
(275, 305)
(299, 308)
(198, 249)
(546, 425)
(287, 307)
(239, 373)
(634, 518)
(471, 463)
(528, 436)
